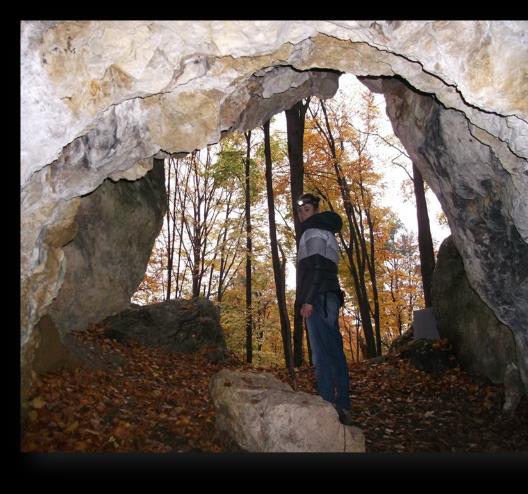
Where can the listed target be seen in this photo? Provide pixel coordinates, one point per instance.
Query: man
(319, 297)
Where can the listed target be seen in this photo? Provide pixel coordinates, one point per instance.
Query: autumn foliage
(151, 400)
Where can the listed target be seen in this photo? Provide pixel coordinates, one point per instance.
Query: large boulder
(116, 226)
(262, 414)
(483, 345)
(179, 325)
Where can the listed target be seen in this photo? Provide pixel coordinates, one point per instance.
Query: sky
(393, 176)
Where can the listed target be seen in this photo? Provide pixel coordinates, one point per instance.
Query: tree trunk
(182, 201)
(223, 261)
(357, 243)
(280, 282)
(362, 299)
(295, 131)
(358, 326)
(425, 242)
(170, 247)
(249, 249)
(373, 280)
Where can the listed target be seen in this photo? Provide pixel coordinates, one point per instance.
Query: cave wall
(100, 99)
(117, 226)
(103, 260)
(483, 345)
(477, 195)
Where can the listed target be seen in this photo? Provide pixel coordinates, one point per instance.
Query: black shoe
(345, 417)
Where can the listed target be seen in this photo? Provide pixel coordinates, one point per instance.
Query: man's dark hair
(308, 199)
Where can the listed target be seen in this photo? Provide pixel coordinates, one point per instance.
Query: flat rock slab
(263, 414)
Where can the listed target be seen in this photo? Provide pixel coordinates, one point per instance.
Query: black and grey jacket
(317, 257)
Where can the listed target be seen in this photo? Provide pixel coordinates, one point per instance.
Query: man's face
(305, 211)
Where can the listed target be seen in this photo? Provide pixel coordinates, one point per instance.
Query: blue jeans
(331, 370)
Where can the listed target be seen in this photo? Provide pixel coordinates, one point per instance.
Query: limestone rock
(478, 197)
(117, 226)
(513, 389)
(483, 345)
(272, 91)
(262, 414)
(179, 325)
(99, 98)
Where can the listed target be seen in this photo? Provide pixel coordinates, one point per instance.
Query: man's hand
(306, 310)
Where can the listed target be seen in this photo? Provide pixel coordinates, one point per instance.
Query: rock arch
(102, 99)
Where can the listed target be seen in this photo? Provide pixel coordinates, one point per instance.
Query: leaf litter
(157, 401)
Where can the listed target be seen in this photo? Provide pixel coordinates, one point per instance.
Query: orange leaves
(159, 402)
(121, 432)
(402, 409)
(120, 408)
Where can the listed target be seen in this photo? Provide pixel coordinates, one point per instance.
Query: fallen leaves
(37, 402)
(156, 401)
(124, 408)
(403, 409)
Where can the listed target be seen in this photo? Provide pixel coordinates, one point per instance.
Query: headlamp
(306, 200)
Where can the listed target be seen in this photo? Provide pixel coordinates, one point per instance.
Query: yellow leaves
(38, 402)
(72, 427)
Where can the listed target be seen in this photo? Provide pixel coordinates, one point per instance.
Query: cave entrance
(205, 246)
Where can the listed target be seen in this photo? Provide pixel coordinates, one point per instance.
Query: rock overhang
(100, 98)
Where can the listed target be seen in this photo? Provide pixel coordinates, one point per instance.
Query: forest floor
(153, 401)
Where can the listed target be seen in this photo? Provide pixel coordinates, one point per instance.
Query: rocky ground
(137, 399)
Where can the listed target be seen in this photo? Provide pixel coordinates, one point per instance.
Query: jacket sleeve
(314, 269)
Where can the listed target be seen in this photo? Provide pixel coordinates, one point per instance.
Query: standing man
(319, 297)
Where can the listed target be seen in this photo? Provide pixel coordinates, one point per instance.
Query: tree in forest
(267, 340)
(279, 266)
(425, 240)
(200, 242)
(340, 155)
(221, 223)
(341, 168)
(229, 174)
(239, 151)
(295, 123)
(249, 250)
(152, 288)
(402, 294)
(198, 211)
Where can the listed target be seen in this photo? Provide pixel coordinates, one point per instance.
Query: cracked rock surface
(101, 99)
